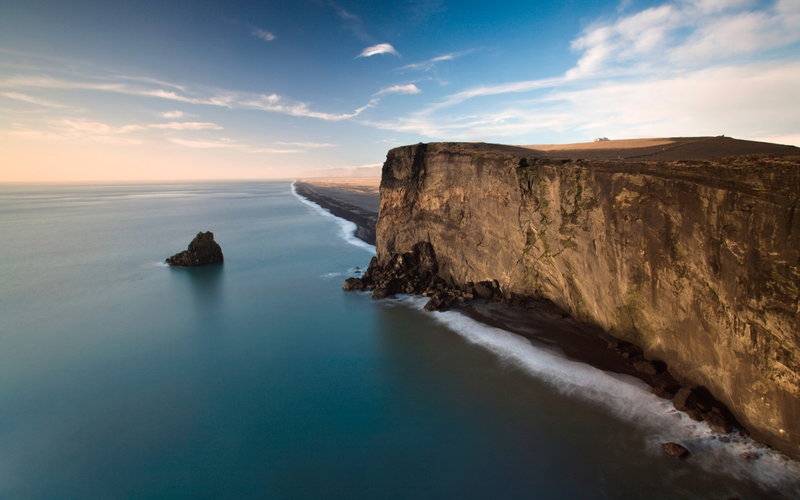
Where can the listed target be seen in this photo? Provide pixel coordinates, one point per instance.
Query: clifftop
(655, 149)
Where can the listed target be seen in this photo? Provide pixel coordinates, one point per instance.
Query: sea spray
(630, 399)
(348, 229)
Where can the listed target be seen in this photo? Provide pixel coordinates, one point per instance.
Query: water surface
(261, 378)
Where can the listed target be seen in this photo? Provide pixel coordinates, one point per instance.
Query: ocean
(121, 377)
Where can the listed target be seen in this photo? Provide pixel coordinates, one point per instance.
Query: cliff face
(695, 261)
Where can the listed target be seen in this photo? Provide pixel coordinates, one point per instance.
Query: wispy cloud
(75, 130)
(375, 50)
(308, 145)
(638, 43)
(264, 35)
(171, 115)
(429, 64)
(203, 144)
(273, 103)
(19, 96)
(351, 22)
(226, 143)
(682, 67)
(408, 89)
(277, 104)
(184, 126)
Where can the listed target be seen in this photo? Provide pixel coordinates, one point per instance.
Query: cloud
(684, 33)
(277, 104)
(81, 129)
(381, 48)
(408, 89)
(351, 22)
(75, 130)
(226, 143)
(171, 115)
(682, 67)
(429, 64)
(747, 101)
(790, 139)
(202, 144)
(265, 35)
(185, 126)
(19, 96)
(273, 103)
(308, 145)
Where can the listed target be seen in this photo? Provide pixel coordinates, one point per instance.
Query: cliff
(689, 254)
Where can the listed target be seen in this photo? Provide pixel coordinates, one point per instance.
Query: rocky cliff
(693, 256)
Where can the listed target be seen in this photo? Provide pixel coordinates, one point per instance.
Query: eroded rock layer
(695, 261)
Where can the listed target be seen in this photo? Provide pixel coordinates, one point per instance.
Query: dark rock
(202, 250)
(751, 456)
(718, 421)
(684, 399)
(351, 284)
(646, 367)
(675, 450)
(665, 386)
(484, 290)
(699, 404)
(411, 272)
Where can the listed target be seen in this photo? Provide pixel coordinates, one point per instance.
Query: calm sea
(120, 377)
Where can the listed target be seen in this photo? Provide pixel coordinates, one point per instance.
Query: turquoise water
(120, 377)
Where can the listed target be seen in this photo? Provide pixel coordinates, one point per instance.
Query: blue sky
(159, 90)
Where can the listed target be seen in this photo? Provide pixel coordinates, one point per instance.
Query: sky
(180, 90)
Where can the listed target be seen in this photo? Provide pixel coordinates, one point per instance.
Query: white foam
(348, 229)
(630, 399)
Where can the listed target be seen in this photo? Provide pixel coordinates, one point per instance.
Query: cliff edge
(688, 248)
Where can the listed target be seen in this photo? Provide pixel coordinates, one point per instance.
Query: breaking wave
(630, 399)
(347, 228)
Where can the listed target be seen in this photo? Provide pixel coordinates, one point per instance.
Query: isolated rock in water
(202, 250)
(675, 450)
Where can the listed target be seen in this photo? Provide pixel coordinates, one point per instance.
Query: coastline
(543, 328)
(335, 200)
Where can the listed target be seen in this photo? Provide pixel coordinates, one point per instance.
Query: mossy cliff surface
(695, 261)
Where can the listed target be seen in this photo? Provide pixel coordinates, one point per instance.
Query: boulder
(675, 450)
(351, 284)
(202, 250)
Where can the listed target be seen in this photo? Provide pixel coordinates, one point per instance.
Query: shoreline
(364, 219)
(545, 326)
(541, 322)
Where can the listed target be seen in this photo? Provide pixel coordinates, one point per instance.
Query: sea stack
(202, 250)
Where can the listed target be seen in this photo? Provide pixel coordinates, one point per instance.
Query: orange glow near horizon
(24, 161)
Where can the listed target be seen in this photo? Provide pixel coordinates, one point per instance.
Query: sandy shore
(353, 199)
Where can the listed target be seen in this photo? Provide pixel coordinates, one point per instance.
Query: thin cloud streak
(229, 144)
(266, 102)
(19, 96)
(431, 63)
(264, 35)
(407, 89)
(379, 49)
